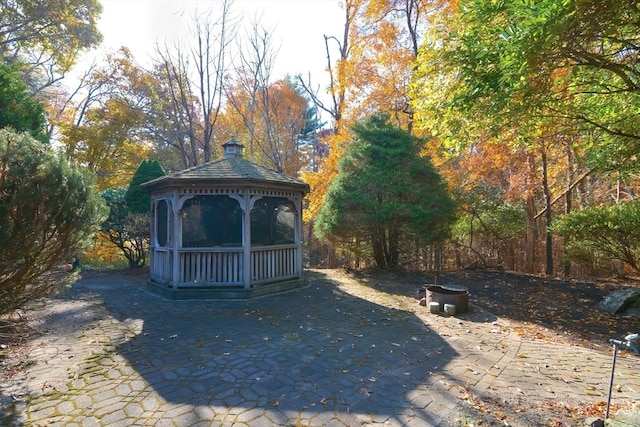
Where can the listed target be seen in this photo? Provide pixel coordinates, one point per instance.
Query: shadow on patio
(312, 355)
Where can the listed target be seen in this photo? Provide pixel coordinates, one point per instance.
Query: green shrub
(610, 231)
(49, 213)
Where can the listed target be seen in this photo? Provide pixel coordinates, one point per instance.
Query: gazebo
(229, 228)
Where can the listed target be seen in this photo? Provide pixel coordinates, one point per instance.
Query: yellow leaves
(119, 170)
(320, 180)
(375, 71)
(106, 143)
(104, 252)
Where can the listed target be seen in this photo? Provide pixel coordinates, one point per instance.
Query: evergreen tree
(138, 200)
(49, 212)
(386, 195)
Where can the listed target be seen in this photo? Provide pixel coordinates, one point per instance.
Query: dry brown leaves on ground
(539, 307)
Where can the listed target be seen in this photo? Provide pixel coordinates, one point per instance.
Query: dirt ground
(542, 308)
(537, 308)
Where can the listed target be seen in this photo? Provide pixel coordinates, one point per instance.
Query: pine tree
(386, 195)
(138, 200)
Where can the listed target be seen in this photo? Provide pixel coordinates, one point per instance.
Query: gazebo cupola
(232, 148)
(229, 228)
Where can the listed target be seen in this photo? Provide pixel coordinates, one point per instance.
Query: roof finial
(232, 148)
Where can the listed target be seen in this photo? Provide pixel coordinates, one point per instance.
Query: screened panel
(272, 222)
(209, 221)
(162, 223)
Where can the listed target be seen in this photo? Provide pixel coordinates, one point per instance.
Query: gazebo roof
(231, 170)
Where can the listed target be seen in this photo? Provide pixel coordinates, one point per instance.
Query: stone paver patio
(334, 353)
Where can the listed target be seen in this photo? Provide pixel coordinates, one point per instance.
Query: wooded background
(528, 110)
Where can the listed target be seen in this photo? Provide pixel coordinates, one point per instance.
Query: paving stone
(179, 410)
(114, 417)
(43, 412)
(104, 395)
(134, 410)
(103, 407)
(65, 407)
(90, 422)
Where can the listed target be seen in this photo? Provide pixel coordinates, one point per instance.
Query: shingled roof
(233, 169)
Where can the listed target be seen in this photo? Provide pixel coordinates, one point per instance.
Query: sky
(299, 27)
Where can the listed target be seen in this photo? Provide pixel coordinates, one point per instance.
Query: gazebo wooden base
(223, 292)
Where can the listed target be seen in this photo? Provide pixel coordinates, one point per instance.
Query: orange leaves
(269, 121)
(104, 252)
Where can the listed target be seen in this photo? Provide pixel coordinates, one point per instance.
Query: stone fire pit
(456, 295)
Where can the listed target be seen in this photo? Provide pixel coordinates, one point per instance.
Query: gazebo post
(152, 236)
(298, 236)
(177, 242)
(246, 240)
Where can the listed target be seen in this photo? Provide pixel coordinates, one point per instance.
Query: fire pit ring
(456, 295)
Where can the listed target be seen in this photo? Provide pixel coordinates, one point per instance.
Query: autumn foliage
(526, 109)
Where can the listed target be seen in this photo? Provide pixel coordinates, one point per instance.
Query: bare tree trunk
(337, 88)
(548, 215)
(379, 252)
(414, 12)
(210, 57)
(568, 203)
(255, 66)
(530, 239)
(180, 110)
(195, 106)
(394, 249)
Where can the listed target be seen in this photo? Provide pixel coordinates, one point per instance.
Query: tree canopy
(386, 195)
(610, 231)
(527, 64)
(18, 109)
(527, 108)
(41, 32)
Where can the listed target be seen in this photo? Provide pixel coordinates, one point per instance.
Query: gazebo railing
(160, 264)
(225, 266)
(204, 266)
(269, 263)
